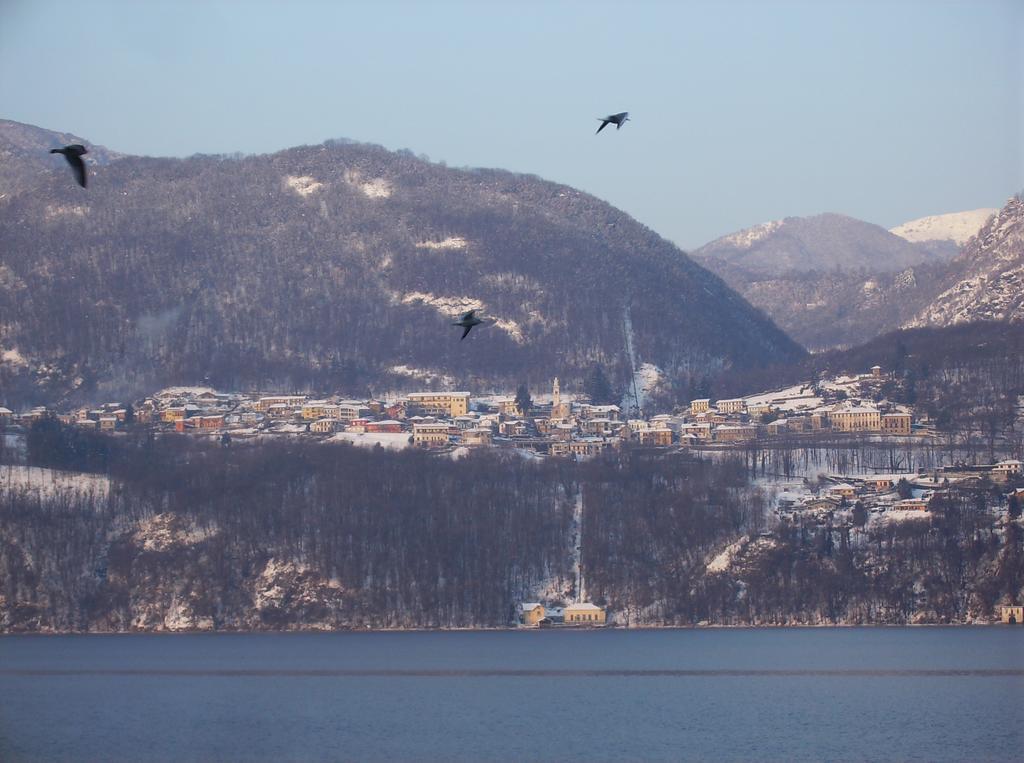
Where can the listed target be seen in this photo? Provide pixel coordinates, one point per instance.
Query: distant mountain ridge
(825, 242)
(338, 267)
(833, 281)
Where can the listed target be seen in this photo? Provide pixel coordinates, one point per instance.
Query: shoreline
(505, 629)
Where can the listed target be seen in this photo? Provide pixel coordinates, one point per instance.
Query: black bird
(469, 320)
(73, 154)
(614, 119)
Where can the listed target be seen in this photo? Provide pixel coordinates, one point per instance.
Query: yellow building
(264, 403)
(896, 423)
(324, 426)
(1012, 614)
(586, 448)
(319, 409)
(430, 435)
(700, 406)
(736, 433)
(733, 405)
(173, 413)
(880, 483)
(655, 437)
(856, 419)
(440, 403)
(842, 491)
(531, 612)
(584, 614)
(476, 436)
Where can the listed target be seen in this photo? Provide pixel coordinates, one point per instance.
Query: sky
(741, 112)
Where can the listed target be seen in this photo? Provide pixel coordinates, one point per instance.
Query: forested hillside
(175, 534)
(339, 267)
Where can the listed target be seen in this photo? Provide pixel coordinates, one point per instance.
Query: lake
(929, 694)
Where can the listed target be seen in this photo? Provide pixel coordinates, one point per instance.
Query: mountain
(956, 227)
(24, 148)
(986, 282)
(826, 242)
(840, 309)
(339, 267)
(829, 280)
(833, 281)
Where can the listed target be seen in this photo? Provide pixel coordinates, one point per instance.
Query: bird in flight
(614, 119)
(468, 321)
(73, 154)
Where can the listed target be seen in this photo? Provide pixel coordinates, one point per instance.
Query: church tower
(559, 411)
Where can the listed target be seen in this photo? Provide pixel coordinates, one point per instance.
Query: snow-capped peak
(955, 226)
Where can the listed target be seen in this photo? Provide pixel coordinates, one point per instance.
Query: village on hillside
(556, 425)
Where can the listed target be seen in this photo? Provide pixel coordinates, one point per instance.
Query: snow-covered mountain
(988, 276)
(830, 280)
(825, 242)
(958, 227)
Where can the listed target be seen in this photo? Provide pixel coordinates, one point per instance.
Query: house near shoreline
(535, 614)
(1012, 614)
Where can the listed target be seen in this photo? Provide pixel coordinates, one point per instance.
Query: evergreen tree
(904, 489)
(598, 388)
(523, 400)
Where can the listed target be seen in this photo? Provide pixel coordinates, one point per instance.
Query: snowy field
(389, 440)
(48, 482)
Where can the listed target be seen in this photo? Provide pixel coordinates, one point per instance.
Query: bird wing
(78, 167)
(621, 116)
(468, 316)
(604, 123)
(465, 331)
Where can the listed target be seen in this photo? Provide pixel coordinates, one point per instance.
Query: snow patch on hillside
(451, 304)
(723, 560)
(455, 305)
(746, 238)
(646, 376)
(423, 374)
(387, 440)
(452, 242)
(65, 210)
(164, 532)
(374, 188)
(303, 185)
(170, 392)
(955, 226)
(50, 482)
(13, 357)
(646, 379)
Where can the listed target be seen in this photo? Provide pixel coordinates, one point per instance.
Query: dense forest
(339, 267)
(171, 533)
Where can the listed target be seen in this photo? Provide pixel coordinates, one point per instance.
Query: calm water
(781, 694)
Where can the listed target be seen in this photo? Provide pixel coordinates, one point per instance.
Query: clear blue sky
(743, 111)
